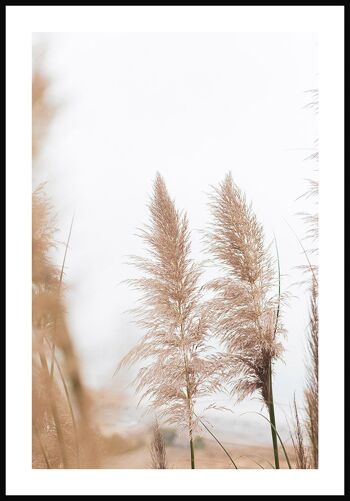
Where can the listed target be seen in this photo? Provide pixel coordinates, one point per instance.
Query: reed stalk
(174, 318)
(70, 406)
(59, 296)
(271, 409)
(245, 308)
(54, 411)
(271, 406)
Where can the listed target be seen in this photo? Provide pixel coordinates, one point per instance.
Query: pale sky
(193, 107)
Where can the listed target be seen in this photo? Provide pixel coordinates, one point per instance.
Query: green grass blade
(218, 441)
(278, 435)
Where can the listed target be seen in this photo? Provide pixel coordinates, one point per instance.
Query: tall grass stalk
(54, 411)
(245, 309)
(158, 452)
(271, 406)
(311, 391)
(298, 439)
(271, 409)
(174, 318)
(69, 402)
(59, 293)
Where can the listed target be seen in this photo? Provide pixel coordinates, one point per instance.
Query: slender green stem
(192, 451)
(273, 421)
(279, 289)
(188, 390)
(270, 402)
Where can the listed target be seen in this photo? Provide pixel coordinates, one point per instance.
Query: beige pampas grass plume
(245, 307)
(177, 369)
(157, 449)
(60, 409)
(297, 437)
(311, 391)
(312, 383)
(307, 452)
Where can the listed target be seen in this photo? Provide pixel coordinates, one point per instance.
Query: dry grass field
(210, 456)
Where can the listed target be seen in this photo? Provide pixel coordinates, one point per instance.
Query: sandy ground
(211, 456)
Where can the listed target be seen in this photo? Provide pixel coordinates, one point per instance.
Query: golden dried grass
(179, 369)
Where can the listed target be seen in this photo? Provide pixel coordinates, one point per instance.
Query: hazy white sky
(192, 106)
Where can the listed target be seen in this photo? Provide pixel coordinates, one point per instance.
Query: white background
(190, 143)
(192, 106)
